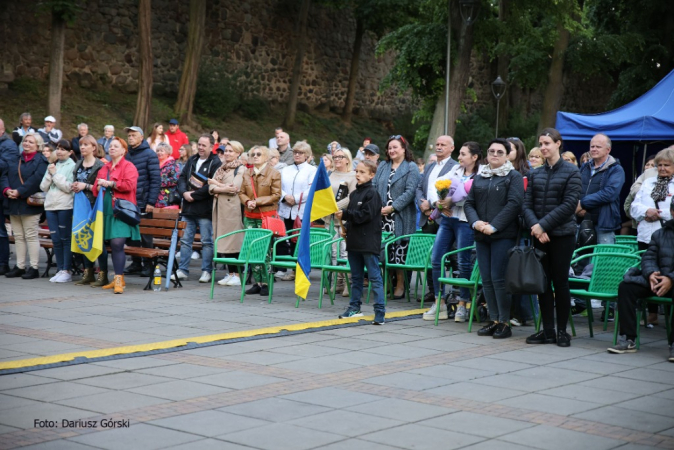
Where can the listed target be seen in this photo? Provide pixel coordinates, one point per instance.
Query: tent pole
(643, 162)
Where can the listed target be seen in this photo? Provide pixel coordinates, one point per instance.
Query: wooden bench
(172, 214)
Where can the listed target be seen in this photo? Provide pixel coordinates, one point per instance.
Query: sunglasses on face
(255, 155)
(337, 158)
(496, 152)
(398, 137)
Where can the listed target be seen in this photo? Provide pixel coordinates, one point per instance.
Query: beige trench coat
(227, 211)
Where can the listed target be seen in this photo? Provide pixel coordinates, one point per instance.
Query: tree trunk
(461, 71)
(301, 47)
(437, 125)
(555, 88)
(503, 69)
(144, 102)
(353, 73)
(188, 78)
(58, 34)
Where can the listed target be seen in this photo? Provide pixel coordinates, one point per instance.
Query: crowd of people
(499, 195)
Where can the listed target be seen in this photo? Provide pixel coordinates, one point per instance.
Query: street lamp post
(468, 10)
(498, 87)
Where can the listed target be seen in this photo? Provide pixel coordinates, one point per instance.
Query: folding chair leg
(473, 308)
(320, 294)
(243, 285)
(212, 282)
(573, 327)
(668, 322)
(590, 315)
(615, 328)
(638, 342)
(438, 299)
(270, 284)
(537, 320)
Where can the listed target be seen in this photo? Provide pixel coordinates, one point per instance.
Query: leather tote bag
(525, 274)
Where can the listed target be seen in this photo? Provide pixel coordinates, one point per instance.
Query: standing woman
(84, 176)
(549, 206)
(185, 152)
(169, 174)
(157, 137)
(492, 207)
(260, 194)
(224, 187)
(342, 175)
(120, 178)
(58, 205)
(396, 182)
(22, 180)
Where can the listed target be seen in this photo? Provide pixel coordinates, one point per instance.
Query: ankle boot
(111, 285)
(119, 284)
(87, 278)
(101, 280)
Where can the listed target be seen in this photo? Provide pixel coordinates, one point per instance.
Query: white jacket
(457, 172)
(642, 202)
(59, 196)
(296, 181)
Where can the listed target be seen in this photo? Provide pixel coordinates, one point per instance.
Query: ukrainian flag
(320, 203)
(88, 226)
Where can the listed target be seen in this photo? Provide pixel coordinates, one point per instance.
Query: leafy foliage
(66, 10)
(218, 92)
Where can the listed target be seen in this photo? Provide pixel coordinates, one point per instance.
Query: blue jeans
(206, 227)
(492, 258)
(451, 230)
(605, 237)
(358, 261)
(4, 239)
(61, 230)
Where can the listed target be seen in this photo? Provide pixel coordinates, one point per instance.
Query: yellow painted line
(43, 360)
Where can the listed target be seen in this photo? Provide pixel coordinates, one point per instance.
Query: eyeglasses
(492, 151)
(337, 158)
(298, 152)
(513, 139)
(255, 155)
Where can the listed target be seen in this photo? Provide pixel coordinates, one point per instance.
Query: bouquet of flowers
(443, 187)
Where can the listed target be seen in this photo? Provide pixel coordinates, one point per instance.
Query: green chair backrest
(418, 250)
(620, 239)
(315, 235)
(256, 242)
(608, 271)
(475, 274)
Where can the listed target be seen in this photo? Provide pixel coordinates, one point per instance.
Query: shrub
(253, 108)
(218, 92)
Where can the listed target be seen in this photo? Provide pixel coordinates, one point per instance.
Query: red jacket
(177, 140)
(125, 175)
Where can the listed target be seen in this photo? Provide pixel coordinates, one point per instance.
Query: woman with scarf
(169, 173)
(492, 207)
(650, 207)
(224, 187)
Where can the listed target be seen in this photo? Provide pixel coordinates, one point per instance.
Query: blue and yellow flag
(320, 203)
(88, 226)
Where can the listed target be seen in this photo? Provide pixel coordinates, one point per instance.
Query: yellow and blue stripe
(87, 236)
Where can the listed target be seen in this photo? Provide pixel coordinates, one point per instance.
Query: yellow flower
(442, 185)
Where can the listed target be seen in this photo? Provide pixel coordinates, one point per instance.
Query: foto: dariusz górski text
(79, 423)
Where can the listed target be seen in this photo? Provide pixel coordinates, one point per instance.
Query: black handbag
(587, 235)
(525, 274)
(125, 210)
(174, 197)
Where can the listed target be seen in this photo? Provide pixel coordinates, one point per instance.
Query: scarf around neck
(488, 172)
(661, 189)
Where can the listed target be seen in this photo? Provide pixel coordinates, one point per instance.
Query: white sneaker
(461, 314)
(205, 277)
(177, 254)
(181, 275)
(56, 276)
(196, 255)
(279, 274)
(234, 281)
(65, 277)
(430, 314)
(225, 280)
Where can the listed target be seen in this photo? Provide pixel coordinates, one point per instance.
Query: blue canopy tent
(644, 126)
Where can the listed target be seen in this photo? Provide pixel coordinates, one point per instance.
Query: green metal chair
(607, 274)
(472, 284)
(627, 240)
(599, 248)
(254, 251)
(316, 236)
(327, 267)
(417, 260)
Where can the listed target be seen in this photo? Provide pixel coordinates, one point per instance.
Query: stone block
(71, 54)
(115, 69)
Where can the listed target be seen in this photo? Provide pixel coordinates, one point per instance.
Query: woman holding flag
(260, 194)
(84, 175)
(119, 177)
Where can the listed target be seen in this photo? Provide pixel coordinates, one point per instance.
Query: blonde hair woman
(536, 158)
(570, 157)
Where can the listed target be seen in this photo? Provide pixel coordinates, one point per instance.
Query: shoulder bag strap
(252, 185)
(20, 177)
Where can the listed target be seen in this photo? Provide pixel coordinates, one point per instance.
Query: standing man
(50, 133)
(82, 130)
(9, 154)
(147, 191)
(603, 178)
(108, 135)
(272, 141)
(198, 207)
(176, 137)
(283, 146)
(427, 195)
(25, 122)
(371, 153)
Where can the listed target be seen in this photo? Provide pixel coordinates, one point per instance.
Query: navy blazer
(422, 187)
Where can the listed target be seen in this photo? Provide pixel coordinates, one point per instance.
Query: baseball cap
(138, 129)
(221, 148)
(173, 121)
(49, 119)
(371, 148)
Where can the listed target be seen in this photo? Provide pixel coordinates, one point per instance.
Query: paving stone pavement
(407, 384)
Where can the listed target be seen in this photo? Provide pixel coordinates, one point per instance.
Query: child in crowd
(362, 232)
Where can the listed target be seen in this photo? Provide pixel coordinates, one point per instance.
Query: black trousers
(556, 263)
(628, 297)
(652, 307)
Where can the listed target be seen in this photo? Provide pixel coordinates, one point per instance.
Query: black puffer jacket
(9, 152)
(660, 254)
(552, 197)
(32, 173)
(202, 206)
(149, 173)
(363, 220)
(497, 200)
